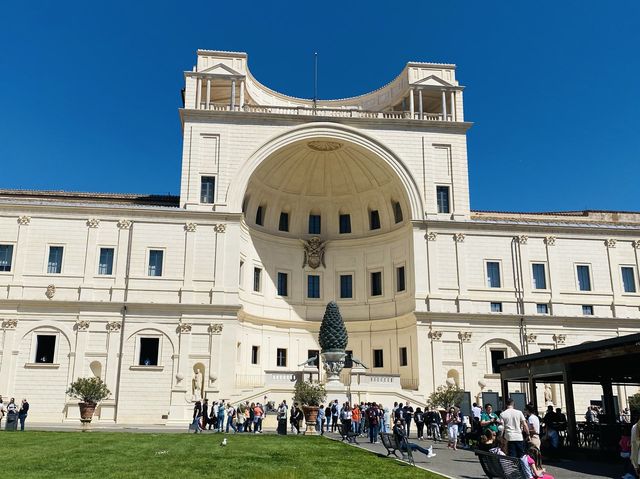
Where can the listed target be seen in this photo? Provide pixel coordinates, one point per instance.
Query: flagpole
(315, 81)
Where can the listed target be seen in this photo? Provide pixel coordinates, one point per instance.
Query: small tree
(634, 405)
(309, 394)
(446, 396)
(89, 390)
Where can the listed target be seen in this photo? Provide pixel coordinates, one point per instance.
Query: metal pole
(315, 80)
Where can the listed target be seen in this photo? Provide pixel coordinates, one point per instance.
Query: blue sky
(90, 91)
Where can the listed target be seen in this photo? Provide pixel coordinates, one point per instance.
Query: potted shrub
(90, 391)
(309, 396)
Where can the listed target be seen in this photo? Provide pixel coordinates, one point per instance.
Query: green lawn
(68, 455)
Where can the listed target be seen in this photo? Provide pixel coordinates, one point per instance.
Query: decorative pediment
(220, 69)
(432, 80)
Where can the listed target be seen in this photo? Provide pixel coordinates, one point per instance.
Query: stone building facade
(286, 204)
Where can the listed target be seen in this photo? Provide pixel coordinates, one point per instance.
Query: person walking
(418, 417)
(452, 421)
(514, 425)
(221, 416)
(205, 414)
(22, 414)
(335, 413)
(231, 418)
(197, 415)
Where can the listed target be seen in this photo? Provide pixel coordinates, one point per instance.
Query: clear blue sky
(90, 91)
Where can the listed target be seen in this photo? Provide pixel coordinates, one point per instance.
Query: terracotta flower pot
(86, 411)
(310, 418)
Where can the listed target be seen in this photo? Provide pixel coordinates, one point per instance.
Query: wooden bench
(349, 436)
(507, 467)
(390, 443)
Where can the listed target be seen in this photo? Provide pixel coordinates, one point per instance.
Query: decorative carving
(51, 291)
(522, 239)
(124, 224)
(213, 378)
(314, 253)
(220, 228)
(184, 327)
(432, 236)
(216, 328)
(324, 145)
(9, 323)
(93, 222)
(179, 377)
(559, 338)
(190, 227)
(636, 244)
(82, 324)
(458, 237)
(465, 336)
(550, 240)
(24, 220)
(435, 335)
(610, 243)
(531, 338)
(113, 326)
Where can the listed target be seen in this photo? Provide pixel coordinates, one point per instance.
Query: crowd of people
(221, 417)
(14, 414)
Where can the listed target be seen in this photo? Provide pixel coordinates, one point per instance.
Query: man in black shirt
(22, 414)
(407, 413)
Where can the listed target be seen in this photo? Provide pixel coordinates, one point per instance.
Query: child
(534, 461)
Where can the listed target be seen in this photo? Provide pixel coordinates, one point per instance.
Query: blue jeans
(220, 423)
(516, 448)
(415, 447)
(231, 425)
(373, 432)
(22, 418)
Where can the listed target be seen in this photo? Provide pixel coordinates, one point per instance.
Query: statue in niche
(198, 383)
(548, 397)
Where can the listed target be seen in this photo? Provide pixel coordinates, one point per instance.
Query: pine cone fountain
(333, 340)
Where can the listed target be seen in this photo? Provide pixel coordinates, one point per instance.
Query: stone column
(554, 272)
(82, 328)
(8, 357)
(198, 92)
(108, 407)
(437, 371)
(215, 359)
(461, 266)
(120, 268)
(208, 105)
(181, 390)
(614, 275)
(233, 94)
(452, 97)
(242, 94)
(22, 245)
(411, 103)
(90, 264)
(420, 107)
(186, 294)
(444, 105)
(468, 353)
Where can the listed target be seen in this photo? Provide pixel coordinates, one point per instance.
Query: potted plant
(90, 391)
(309, 396)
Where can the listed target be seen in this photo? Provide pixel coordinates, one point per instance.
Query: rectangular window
(260, 215)
(257, 279)
(156, 257)
(346, 286)
(348, 360)
(6, 257)
(313, 286)
(149, 351)
(400, 279)
(345, 224)
(404, 358)
(105, 264)
(315, 224)
(539, 276)
(54, 266)
(584, 277)
(314, 353)
(442, 195)
(241, 274)
(397, 212)
(283, 284)
(374, 220)
(207, 188)
(587, 310)
(542, 308)
(378, 358)
(493, 274)
(496, 355)
(255, 354)
(376, 283)
(496, 307)
(628, 278)
(45, 348)
(283, 224)
(281, 358)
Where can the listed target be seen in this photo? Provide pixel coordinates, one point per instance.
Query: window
(257, 279)
(45, 348)
(207, 187)
(376, 283)
(587, 310)
(496, 355)
(397, 212)
(584, 277)
(400, 279)
(404, 359)
(260, 215)
(255, 354)
(442, 196)
(496, 307)
(345, 224)
(149, 348)
(628, 278)
(6, 256)
(542, 308)
(539, 276)
(346, 286)
(348, 359)
(241, 274)
(156, 257)
(493, 274)
(312, 353)
(315, 224)
(374, 220)
(281, 358)
(283, 224)
(378, 358)
(105, 264)
(313, 286)
(283, 286)
(54, 266)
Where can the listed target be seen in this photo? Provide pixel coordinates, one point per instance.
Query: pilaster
(22, 246)
(125, 229)
(9, 354)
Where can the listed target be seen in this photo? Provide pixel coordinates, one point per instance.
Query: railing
(249, 380)
(327, 112)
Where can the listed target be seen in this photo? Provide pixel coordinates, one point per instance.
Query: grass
(121, 455)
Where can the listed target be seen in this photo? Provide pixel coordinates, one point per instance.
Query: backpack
(334, 409)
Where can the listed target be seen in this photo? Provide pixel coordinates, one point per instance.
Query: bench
(349, 436)
(506, 467)
(390, 443)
